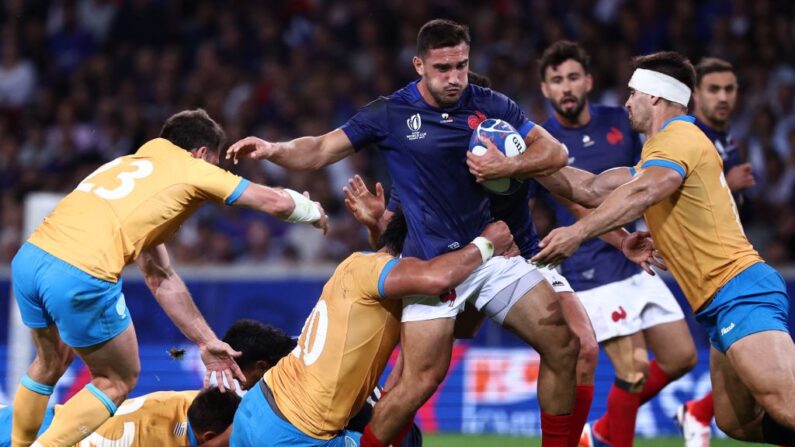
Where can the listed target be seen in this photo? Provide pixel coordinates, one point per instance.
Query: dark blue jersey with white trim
(425, 151)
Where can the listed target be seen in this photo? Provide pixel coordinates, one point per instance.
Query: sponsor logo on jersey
(587, 141)
(446, 118)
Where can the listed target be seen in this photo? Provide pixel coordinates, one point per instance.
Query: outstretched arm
(624, 205)
(173, 296)
(368, 208)
(638, 247)
(300, 154)
(412, 276)
(284, 204)
(583, 187)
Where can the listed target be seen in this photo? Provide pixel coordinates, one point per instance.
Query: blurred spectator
(85, 81)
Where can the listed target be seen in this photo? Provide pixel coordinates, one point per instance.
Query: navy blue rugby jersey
(606, 142)
(724, 143)
(425, 151)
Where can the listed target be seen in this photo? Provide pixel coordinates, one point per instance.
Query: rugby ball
(507, 140)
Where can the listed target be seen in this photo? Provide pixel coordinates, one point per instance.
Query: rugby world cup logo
(414, 122)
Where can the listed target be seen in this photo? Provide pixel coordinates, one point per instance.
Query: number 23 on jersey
(128, 172)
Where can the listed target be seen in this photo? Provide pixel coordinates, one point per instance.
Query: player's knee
(567, 353)
(50, 368)
(731, 427)
(779, 407)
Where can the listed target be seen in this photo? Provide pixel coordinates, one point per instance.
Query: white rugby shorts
(479, 288)
(629, 306)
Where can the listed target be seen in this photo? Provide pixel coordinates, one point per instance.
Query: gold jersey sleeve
(697, 228)
(343, 348)
(130, 204)
(156, 419)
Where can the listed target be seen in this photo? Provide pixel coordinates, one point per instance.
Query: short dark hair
(395, 233)
(212, 410)
(709, 65)
(257, 341)
(441, 33)
(561, 51)
(192, 129)
(670, 63)
(479, 79)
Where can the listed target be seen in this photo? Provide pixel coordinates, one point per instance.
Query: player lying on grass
(309, 397)
(67, 281)
(262, 346)
(680, 189)
(163, 418)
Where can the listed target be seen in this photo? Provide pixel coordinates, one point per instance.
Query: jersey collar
(417, 96)
(687, 118)
(192, 441)
(706, 128)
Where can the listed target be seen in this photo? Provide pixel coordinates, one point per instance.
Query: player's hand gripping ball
(507, 140)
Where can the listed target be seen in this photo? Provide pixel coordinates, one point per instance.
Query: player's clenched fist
(500, 236)
(250, 147)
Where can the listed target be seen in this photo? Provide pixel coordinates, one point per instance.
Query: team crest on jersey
(474, 120)
(615, 136)
(415, 124)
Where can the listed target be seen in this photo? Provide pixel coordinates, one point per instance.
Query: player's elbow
(560, 157)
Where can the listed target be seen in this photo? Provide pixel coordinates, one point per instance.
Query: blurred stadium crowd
(82, 82)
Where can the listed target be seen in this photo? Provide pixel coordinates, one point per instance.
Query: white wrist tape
(305, 210)
(659, 84)
(485, 246)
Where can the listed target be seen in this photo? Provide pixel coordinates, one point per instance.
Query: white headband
(659, 84)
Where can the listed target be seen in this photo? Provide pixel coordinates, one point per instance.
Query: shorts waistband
(266, 391)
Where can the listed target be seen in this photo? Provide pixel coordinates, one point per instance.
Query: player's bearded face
(639, 108)
(716, 96)
(444, 71)
(567, 87)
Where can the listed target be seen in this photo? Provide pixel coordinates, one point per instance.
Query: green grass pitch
(505, 441)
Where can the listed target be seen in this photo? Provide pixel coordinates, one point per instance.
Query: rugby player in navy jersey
(423, 131)
(631, 311)
(714, 99)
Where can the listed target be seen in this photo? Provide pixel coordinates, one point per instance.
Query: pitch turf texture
(504, 441)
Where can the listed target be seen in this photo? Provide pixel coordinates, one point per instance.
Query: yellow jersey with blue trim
(697, 228)
(343, 348)
(130, 204)
(159, 418)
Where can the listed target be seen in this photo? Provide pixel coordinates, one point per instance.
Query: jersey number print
(313, 347)
(143, 169)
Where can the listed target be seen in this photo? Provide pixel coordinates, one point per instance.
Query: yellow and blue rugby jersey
(159, 418)
(130, 204)
(343, 348)
(697, 228)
